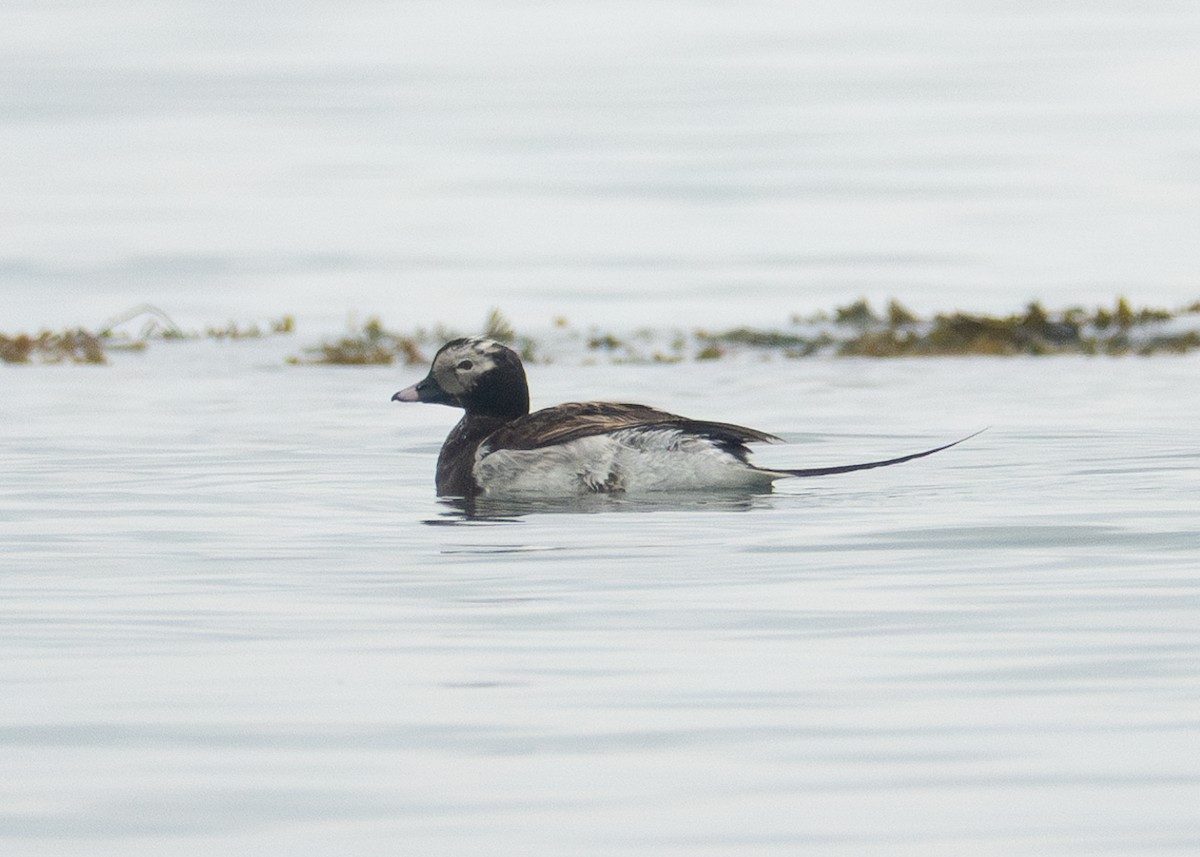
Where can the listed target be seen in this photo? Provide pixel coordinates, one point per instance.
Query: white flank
(633, 461)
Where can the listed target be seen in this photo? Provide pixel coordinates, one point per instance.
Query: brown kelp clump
(372, 344)
(854, 330)
(132, 330)
(858, 331)
(136, 327)
(68, 346)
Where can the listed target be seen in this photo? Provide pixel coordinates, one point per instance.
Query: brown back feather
(573, 420)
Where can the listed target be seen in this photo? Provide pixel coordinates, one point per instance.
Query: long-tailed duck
(500, 449)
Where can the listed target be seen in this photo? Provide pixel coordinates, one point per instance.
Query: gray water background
(233, 617)
(618, 163)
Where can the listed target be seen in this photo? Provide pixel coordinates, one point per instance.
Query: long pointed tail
(847, 468)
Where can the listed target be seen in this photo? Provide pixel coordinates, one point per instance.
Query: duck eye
(464, 365)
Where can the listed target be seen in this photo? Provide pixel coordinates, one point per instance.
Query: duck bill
(426, 390)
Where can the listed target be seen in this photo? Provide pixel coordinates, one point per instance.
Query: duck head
(479, 375)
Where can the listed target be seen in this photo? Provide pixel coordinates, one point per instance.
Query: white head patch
(459, 365)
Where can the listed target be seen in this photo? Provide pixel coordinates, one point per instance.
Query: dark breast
(455, 476)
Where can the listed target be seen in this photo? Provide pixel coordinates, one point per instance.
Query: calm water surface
(235, 618)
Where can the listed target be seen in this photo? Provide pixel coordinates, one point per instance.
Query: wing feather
(574, 420)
